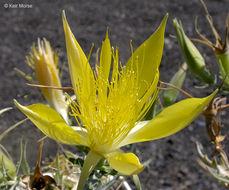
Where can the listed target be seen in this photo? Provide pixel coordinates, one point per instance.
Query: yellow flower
(44, 62)
(112, 102)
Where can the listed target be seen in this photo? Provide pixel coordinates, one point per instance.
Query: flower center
(112, 110)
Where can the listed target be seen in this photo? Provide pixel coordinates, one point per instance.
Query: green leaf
(137, 182)
(58, 176)
(6, 165)
(11, 128)
(109, 184)
(223, 61)
(24, 163)
(5, 110)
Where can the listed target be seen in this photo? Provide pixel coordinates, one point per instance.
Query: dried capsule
(220, 47)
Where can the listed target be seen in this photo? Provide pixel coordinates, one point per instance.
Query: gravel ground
(173, 165)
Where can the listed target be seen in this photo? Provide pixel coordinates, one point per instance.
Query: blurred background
(174, 159)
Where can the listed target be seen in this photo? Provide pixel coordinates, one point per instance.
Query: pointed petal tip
(163, 24)
(216, 91)
(16, 103)
(63, 15)
(164, 21)
(107, 33)
(212, 95)
(64, 20)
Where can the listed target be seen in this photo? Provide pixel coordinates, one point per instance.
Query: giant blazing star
(111, 103)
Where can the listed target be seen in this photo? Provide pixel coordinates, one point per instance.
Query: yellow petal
(171, 120)
(146, 59)
(80, 70)
(104, 69)
(52, 124)
(105, 58)
(125, 163)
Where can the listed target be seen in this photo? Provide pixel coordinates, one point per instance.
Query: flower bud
(177, 80)
(192, 56)
(44, 62)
